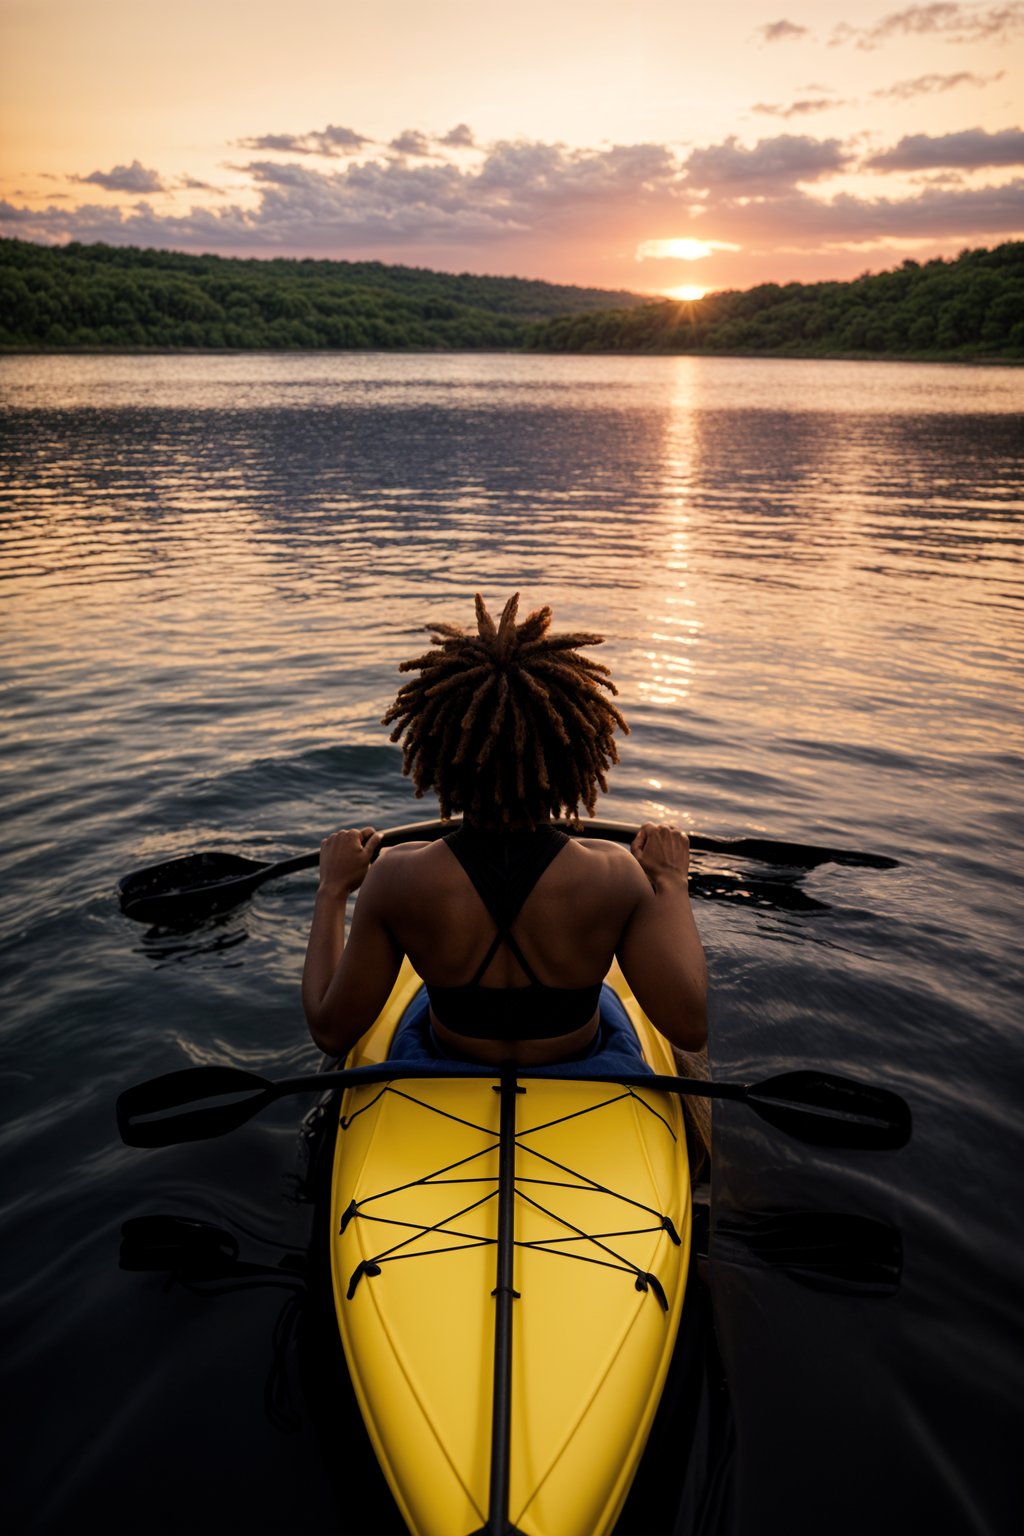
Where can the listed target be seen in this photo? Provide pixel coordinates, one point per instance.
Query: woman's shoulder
(404, 878)
(412, 862)
(615, 855)
(611, 864)
(410, 855)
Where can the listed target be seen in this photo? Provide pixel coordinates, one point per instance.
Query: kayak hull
(602, 1234)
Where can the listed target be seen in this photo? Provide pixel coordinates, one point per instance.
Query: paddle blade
(824, 1250)
(830, 1111)
(144, 1113)
(767, 850)
(773, 850)
(177, 1243)
(161, 891)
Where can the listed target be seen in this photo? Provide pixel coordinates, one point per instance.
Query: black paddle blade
(177, 1243)
(772, 850)
(767, 850)
(825, 1250)
(161, 892)
(830, 1111)
(139, 1109)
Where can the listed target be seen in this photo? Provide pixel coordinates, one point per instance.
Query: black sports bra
(504, 868)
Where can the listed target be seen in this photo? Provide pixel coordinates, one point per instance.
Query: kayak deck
(601, 1211)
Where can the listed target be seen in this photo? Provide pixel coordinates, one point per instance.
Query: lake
(808, 575)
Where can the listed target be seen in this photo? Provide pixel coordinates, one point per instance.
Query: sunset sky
(661, 146)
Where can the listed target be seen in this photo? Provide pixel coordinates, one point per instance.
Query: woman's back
(567, 928)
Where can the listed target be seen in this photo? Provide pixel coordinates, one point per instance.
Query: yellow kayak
(509, 1258)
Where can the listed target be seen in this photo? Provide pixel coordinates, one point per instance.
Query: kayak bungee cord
(580, 1182)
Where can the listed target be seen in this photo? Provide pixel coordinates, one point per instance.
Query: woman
(511, 923)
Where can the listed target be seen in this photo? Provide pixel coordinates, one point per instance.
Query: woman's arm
(660, 951)
(344, 986)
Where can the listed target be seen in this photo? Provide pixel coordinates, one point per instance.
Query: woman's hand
(663, 852)
(344, 859)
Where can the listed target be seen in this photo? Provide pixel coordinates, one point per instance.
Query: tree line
(970, 307)
(77, 296)
(123, 298)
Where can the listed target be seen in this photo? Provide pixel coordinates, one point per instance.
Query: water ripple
(809, 577)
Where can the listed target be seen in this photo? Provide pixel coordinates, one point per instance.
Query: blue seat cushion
(615, 1048)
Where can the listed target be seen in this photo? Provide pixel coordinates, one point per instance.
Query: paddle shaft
(685, 1087)
(159, 894)
(816, 1107)
(768, 850)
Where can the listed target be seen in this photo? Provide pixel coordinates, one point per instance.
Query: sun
(688, 293)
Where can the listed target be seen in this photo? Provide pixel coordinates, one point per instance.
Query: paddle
(834, 1251)
(814, 1107)
(201, 883)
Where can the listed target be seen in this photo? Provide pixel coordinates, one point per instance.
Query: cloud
(125, 178)
(344, 141)
(459, 137)
(971, 149)
(779, 162)
(330, 142)
(780, 31)
(201, 229)
(280, 143)
(335, 142)
(520, 190)
(953, 22)
(271, 173)
(550, 209)
(797, 220)
(798, 108)
(545, 175)
(412, 142)
(928, 85)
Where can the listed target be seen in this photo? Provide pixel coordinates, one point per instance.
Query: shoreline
(945, 358)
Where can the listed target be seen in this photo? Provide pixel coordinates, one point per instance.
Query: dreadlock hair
(508, 724)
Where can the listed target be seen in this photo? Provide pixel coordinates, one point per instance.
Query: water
(808, 575)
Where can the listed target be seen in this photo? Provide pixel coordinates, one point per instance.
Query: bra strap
(504, 887)
(507, 938)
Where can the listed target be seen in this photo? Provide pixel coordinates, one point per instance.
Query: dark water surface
(809, 577)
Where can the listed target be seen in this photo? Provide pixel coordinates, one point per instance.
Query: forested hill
(972, 307)
(121, 297)
(87, 297)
